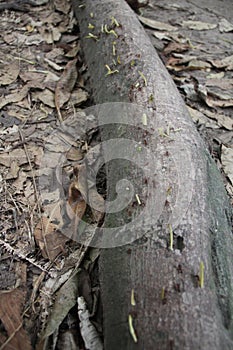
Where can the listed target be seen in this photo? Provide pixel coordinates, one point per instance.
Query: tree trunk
(185, 215)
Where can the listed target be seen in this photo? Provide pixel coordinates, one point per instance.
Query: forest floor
(42, 81)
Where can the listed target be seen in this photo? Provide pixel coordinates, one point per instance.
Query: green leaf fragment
(131, 329)
(151, 98)
(111, 71)
(114, 21)
(110, 31)
(143, 77)
(91, 26)
(138, 199)
(92, 36)
(133, 302)
(114, 48)
(171, 237)
(144, 119)
(201, 274)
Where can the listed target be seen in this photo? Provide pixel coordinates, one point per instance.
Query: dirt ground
(43, 81)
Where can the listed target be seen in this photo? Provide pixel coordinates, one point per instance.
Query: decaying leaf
(50, 241)
(12, 304)
(62, 6)
(78, 96)
(9, 73)
(20, 94)
(65, 85)
(46, 96)
(32, 76)
(77, 200)
(226, 63)
(198, 64)
(89, 334)
(15, 96)
(50, 35)
(18, 155)
(198, 117)
(219, 75)
(222, 120)
(156, 24)
(225, 26)
(16, 38)
(66, 298)
(198, 25)
(176, 47)
(227, 162)
(224, 102)
(74, 154)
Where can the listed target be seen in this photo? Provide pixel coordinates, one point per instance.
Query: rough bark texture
(172, 311)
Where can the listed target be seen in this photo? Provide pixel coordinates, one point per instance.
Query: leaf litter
(199, 57)
(41, 81)
(44, 84)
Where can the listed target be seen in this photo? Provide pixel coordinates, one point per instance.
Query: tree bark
(175, 308)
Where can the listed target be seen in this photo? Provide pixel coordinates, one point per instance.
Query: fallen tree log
(172, 287)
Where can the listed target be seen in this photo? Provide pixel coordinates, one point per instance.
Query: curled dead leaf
(50, 241)
(65, 85)
(77, 200)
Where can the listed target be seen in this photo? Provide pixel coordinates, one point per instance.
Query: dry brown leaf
(219, 103)
(32, 76)
(46, 96)
(65, 85)
(225, 26)
(77, 201)
(227, 162)
(19, 182)
(175, 47)
(78, 96)
(73, 52)
(226, 84)
(8, 73)
(222, 120)
(16, 38)
(74, 154)
(11, 306)
(14, 97)
(50, 241)
(197, 25)
(198, 64)
(226, 63)
(50, 34)
(219, 75)
(13, 171)
(156, 24)
(62, 6)
(20, 94)
(198, 117)
(18, 155)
